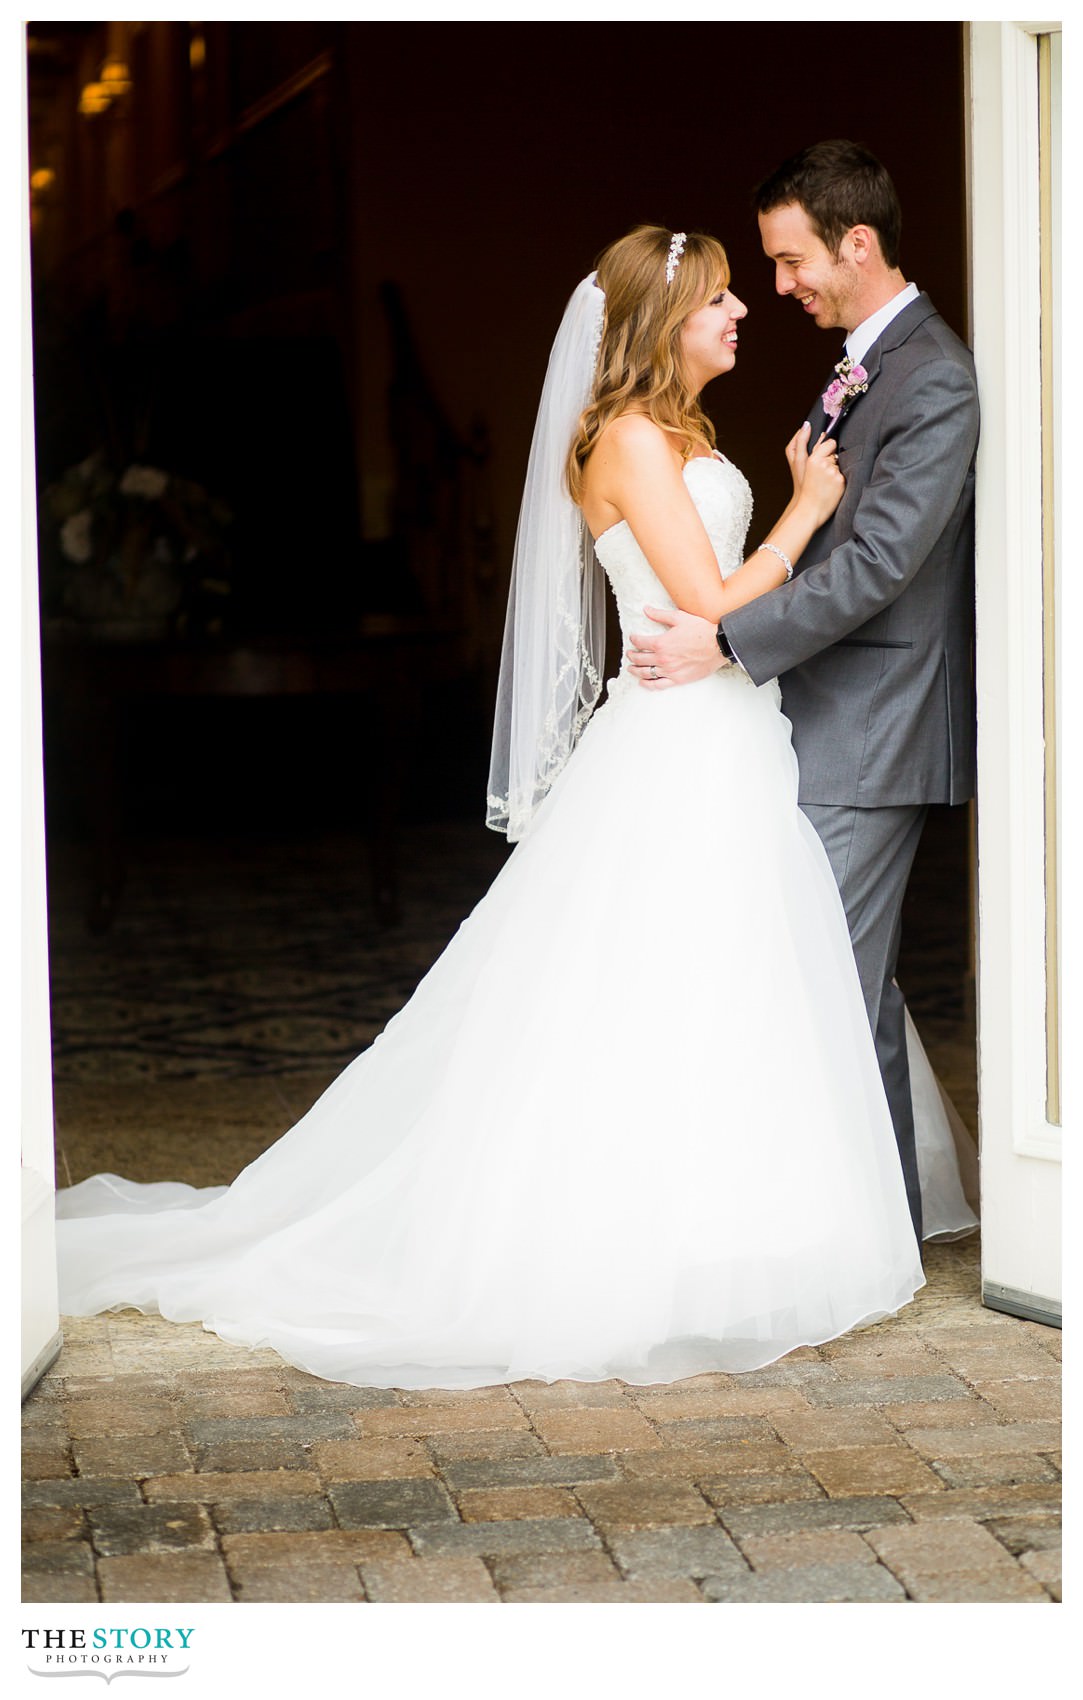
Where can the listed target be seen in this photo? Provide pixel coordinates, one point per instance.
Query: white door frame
(1020, 1145)
(41, 1336)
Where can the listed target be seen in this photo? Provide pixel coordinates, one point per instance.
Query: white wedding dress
(630, 1124)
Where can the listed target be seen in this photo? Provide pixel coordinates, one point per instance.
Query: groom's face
(825, 288)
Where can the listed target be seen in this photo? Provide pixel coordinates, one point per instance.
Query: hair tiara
(673, 258)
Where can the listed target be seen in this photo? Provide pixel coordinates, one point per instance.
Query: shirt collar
(861, 340)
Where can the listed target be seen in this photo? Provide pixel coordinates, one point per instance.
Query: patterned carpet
(242, 958)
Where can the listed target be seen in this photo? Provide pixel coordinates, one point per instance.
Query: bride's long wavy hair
(640, 365)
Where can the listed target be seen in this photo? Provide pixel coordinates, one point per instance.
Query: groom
(872, 638)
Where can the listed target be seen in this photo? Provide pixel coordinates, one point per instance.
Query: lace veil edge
(554, 634)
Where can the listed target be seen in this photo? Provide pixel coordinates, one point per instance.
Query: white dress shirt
(859, 341)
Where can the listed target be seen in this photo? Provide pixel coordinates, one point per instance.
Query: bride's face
(709, 336)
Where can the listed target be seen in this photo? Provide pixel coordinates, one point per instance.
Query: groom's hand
(686, 651)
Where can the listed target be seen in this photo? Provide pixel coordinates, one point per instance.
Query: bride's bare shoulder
(633, 459)
(634, 440)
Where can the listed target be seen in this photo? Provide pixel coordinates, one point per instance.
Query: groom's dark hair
(839, 184)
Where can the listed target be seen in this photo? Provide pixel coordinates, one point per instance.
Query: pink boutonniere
(851, 382)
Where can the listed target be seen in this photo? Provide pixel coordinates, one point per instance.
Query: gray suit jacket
(872, 639)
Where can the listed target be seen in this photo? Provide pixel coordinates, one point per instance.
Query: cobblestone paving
(917, 1460)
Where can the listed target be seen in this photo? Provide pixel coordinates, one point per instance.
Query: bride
(556, 1161)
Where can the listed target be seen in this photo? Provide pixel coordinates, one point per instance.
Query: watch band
(724, 643)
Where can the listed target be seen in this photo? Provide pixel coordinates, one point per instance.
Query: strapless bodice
(724, 503)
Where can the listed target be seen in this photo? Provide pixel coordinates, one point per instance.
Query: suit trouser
(871, 852)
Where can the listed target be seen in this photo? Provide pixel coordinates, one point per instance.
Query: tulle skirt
(629, 1125)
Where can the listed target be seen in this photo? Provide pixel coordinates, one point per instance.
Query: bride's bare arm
(635, 473)
(688, 650)
(815, 499)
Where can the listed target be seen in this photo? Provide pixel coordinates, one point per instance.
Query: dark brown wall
(493, 161)
(272, 181)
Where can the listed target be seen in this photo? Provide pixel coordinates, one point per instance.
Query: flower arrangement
(136, 550)
(850, 382)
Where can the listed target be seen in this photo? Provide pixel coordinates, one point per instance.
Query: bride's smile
(709, 336)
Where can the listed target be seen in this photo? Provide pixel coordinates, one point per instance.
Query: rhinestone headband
(673, 258)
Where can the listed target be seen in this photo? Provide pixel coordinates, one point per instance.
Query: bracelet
(775, 550)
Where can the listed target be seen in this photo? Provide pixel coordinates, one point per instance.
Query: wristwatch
(724, 644)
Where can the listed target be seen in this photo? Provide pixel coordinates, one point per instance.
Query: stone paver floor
(916, 1460)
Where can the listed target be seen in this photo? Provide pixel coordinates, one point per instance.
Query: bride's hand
(822, 484)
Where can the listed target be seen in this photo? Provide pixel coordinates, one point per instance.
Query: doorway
(326, 302)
